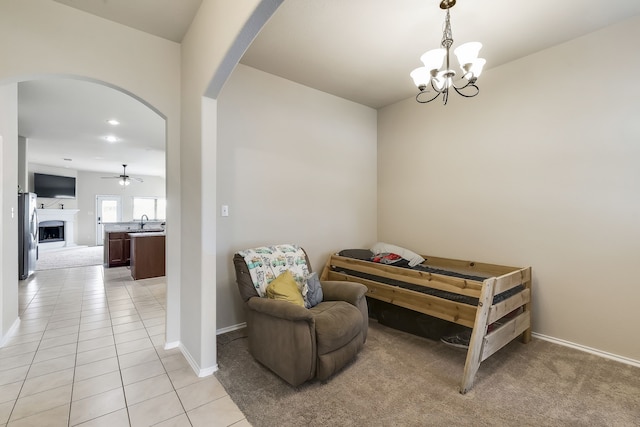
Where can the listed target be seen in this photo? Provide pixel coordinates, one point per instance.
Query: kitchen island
(147, 255)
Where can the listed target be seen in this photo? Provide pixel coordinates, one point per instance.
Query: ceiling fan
(124, 178)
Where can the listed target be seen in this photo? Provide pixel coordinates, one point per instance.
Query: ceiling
(364, 50)
(65, 123)
(361, 50)
(169, 19)
(66, 119)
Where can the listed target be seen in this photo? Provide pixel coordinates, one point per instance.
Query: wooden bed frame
(501, 278)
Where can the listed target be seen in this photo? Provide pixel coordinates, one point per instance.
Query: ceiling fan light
(124, 182)
(467, 53)
(433, 59)
(421, 77)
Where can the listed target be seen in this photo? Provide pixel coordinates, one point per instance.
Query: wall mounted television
(54, 186)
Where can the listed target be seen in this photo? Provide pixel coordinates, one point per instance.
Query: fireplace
(50, 231)
(56, 228)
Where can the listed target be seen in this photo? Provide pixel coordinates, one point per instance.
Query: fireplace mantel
(68, 216)
(57, 214)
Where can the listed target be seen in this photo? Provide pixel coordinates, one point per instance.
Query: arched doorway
(68, 126)
(74, 127)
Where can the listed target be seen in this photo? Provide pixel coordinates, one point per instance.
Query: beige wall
(540, 169)
(545, 163)
(295, 165)
(209, 40)
(47, 39)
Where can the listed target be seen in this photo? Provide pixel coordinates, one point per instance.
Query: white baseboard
(231, 328)
(10, 333)
(586, 349)
(194, 365)
(558, 341)
(200, 371)
(170, 345)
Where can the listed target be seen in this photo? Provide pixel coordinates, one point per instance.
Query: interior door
(108, 209)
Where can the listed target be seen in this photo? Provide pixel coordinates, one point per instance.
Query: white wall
(8, 208)
(48, 202)
(540, 169)
(48, 39)
(91, 184)
(204, 49)
(23, 176)
(295, 165)
(88, 186)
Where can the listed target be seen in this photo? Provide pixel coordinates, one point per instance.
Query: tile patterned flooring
(89, 351)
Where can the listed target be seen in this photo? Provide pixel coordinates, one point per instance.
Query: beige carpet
(70, 257)
(405, 380)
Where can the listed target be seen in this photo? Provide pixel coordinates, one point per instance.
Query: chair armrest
(280, 309)
(336, 290)
(351, 292)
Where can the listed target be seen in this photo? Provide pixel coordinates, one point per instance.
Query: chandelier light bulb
(467, 53)
(421, 76)
(477, 67)
(433, 59)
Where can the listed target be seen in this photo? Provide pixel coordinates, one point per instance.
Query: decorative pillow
(413, 258)
(386, 258)
(268, 262)
(363, 254)
(314, 291)
(285, 288)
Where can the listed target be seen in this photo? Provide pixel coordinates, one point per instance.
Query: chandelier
(440, 80)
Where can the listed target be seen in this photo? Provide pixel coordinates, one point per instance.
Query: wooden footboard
(484, 341)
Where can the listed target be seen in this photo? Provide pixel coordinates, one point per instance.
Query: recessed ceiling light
(113, 122)
(111, 138)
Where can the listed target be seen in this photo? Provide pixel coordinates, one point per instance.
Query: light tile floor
(89, 351)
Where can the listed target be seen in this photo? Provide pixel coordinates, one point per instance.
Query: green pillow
(285, 288)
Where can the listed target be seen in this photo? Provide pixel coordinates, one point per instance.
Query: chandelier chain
(447, 34)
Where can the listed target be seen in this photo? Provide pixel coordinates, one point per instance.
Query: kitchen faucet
(142, 218)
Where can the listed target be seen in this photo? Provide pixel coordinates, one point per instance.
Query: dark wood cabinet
(127, 248)
(144, 252)
(117, 249)
(147, 255)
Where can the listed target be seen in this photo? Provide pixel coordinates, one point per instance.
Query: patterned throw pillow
(268, 262)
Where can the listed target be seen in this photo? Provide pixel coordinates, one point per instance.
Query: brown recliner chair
(300, 344)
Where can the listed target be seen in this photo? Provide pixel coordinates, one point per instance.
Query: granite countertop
(147, 234)
(132, 226)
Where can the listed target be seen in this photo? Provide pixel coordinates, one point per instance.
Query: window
(154, 208)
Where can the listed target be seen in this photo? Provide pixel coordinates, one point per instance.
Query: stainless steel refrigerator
(27, 234)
